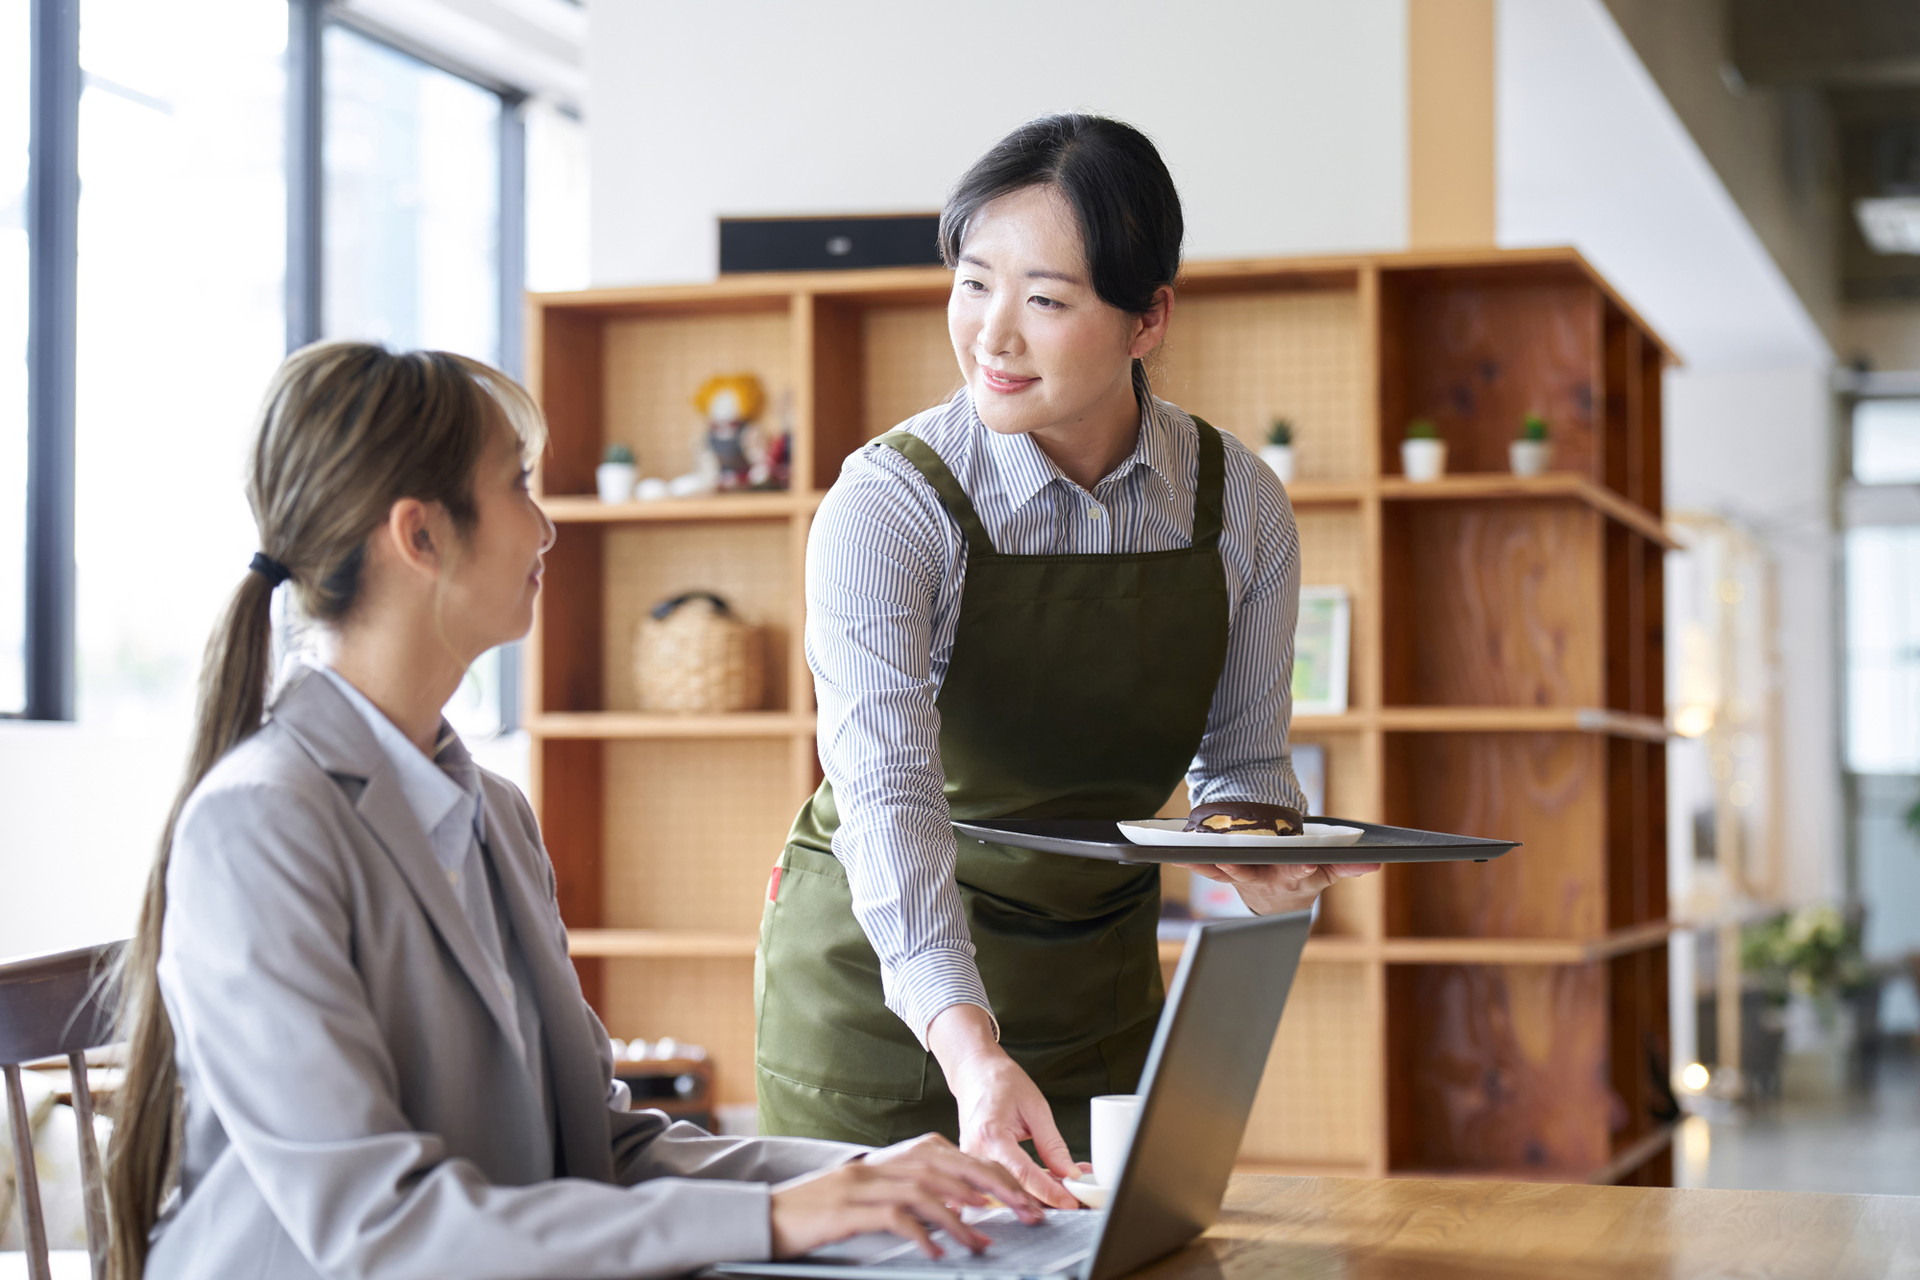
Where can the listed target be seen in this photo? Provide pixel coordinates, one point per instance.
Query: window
(412, 201)
(16, 118)
(205, 243)
(1883, 649)
(1886, 441)
(182, 256)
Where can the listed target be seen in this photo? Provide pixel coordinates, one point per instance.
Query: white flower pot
(1280, 458)
(1529, 457)
(1423, 459)
(615, 481)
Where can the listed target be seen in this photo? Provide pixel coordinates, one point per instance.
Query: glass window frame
(53, 234)
(1861, 504)
(53, 205)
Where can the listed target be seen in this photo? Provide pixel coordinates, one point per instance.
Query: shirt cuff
(926, 985)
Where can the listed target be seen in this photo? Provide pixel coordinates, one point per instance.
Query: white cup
(1113, 1118)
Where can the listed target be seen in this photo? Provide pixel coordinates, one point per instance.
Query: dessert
(1245, 818)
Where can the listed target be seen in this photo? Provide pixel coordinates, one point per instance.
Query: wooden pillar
(1450, 125)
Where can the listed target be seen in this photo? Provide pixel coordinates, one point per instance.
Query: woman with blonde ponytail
(356, 1047)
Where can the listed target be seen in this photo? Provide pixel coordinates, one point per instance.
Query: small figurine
(734, 453)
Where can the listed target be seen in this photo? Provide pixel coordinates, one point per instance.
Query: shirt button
(453, 878)
(1094, 513)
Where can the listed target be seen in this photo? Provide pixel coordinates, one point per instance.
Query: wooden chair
(51, 1006)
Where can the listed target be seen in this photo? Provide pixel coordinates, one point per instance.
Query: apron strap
(1209, 485)
(930, 465)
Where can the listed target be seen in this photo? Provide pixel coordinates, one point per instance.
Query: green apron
(1079, 687)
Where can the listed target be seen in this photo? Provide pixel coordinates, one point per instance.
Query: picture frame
(1321, 644)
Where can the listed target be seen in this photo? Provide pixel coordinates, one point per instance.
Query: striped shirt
(886, 569)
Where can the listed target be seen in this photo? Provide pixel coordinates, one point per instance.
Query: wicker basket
(691, 654)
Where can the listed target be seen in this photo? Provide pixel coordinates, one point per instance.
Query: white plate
(1087, 1192)
(1167, 831)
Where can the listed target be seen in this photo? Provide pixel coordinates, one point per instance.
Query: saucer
(1087, 1192)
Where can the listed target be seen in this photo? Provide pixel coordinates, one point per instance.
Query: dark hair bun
(1116, 182)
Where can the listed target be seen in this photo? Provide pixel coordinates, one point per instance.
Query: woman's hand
(1000, 1105)
(911, 1189)
(1270, 889)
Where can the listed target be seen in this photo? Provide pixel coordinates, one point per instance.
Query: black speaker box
(832, 243)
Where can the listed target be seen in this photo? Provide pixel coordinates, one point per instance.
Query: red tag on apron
(773, 884)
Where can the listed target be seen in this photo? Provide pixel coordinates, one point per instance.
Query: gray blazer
(354, 1104)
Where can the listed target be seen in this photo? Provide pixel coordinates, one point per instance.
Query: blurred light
(1694, 1077)
(1740, 794)
(1693, 722)
(1891, 224)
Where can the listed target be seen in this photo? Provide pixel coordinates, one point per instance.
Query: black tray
(1093, 838)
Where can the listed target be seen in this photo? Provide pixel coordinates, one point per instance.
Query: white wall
(1284, 122)
(80, 815)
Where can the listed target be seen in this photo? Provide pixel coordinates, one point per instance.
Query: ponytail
(144, 1150)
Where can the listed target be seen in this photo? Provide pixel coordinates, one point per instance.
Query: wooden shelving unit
(1507, 1018)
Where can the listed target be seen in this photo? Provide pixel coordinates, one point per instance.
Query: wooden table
(1364, 1229)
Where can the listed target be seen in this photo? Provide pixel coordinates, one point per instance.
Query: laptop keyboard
(1055, 1244)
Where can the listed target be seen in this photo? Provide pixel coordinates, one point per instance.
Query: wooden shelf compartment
(1494, 604)
(1476, 349)
(1318, 1102)
(1247, 349)
(1583, 809)
(875, 360)
(625, 371)
(1337, 550)
(1518, 1070)
(603, 578)
(1635, 624)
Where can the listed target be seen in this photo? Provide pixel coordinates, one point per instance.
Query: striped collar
(1026, 470)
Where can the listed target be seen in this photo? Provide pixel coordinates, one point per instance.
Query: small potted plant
(1277, 452)
(1529, 452)
(615, 475)
(1423, 454)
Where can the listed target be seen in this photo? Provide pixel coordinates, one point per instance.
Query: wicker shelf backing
(1318, 1100)
(1240, 360)
(907, 363)
(692, 829)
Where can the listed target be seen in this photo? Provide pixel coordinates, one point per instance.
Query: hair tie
(267, 567)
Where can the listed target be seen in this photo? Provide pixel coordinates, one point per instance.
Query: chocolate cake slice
(1245, 818)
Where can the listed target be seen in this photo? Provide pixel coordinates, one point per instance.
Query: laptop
(1204, 1068)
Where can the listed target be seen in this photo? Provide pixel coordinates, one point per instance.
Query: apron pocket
(823, 1019)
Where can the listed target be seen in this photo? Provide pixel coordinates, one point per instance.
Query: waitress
(1049, 597)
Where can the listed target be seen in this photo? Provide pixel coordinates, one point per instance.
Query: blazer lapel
(332, 732)
(573, 1059)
